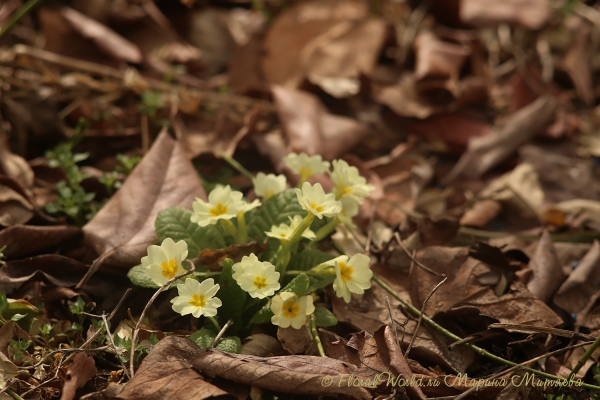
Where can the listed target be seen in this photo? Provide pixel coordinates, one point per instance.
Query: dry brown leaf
(310, 128)
(437, 58)
(329, 42)
(575, 293)
(262, 345)
(82, 370)
(25, 240)
(487, 152)
(481, 213)
(298, 375)
(124, 228)
(371, 312)
(105, 38)
(531, 14)
(547, 271)
(53, 268)
(167, 374)
(577, 63)
(15, 166)
(11, 330)
(463, 290)
(14, 208)
(296, 341)
(378, 356)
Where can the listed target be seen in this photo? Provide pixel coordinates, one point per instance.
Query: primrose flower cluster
(262, 279)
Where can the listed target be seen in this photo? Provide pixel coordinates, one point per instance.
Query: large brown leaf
(299, 375)
(124, 228)
(167, 374)
(547, 271)
(26, 240)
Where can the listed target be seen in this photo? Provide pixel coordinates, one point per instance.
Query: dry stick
(499, 374)
(397, 236)
(477, 349)
(394, 322)
(221, 332)
(421, 314)
(141, 318)
(110, 338)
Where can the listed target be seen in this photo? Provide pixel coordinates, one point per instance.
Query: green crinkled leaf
(298, 285)
(232, 296)
(308, 259)
(274, 211)
(203, 338)
(138, 276)
(230, 344)
(174, 223)
(324, 317)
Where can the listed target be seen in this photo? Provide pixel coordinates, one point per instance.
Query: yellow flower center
(291, 309)
(347, 190)
(306, 173)
(341, 191)
(260, 282)
(269, 193)
(315, 206)
(217, 210)
(345, 271)
(169, 268)
(198, 300)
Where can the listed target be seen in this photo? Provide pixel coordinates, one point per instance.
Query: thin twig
(417, 262)
(412, 339)
(581, 362)
(136, 330)
(221, 332)
(112, 342)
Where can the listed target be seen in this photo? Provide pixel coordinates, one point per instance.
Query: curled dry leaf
(437, 58)
(310, 128)
(575, 293)
(82, 370)
(463, 290)
(329, 42)
(577, 63)
(105, 38)
(547, 271)
(8, 371)
(481, 213)
(371, 312)
(296, 341)
(124, 228)
(14, 208)
(51, 268)
(262, 345)
(167, 373)
(519, 190)
(298, 375)
(484, 153)
(531, 14)
(15, 166)
(25, 240)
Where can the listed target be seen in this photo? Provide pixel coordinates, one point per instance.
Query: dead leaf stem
(21, 12)
(315, 335)
(477, 349)
(239, 167)
(221, 330)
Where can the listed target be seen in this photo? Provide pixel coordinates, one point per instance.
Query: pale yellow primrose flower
(163, 262)
(348, 182)
(353, 275)
(349, 210)
(314, 200)
(197, 298)
(256, 277)
(290, 310)
(267, 186)
(306, 166)
(223, 203)
(284, 232)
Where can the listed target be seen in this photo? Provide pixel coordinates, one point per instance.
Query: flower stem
(17, 16)
(477, 349)
(325, 230)
(315, 335)
(283, 258)
(216, 324)
(242, 229)
(229, 228)
(580, 363)
(304, 225)
(231, 161)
